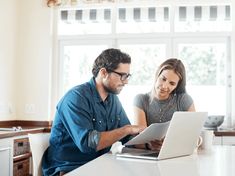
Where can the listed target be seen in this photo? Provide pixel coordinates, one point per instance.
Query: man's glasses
(123, 76)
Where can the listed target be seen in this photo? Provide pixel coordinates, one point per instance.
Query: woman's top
(159, 111)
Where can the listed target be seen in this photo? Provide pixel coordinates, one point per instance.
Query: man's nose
(125, 81)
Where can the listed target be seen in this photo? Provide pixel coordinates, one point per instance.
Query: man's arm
(109, 137)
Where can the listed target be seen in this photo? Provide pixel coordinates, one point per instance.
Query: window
(142, 73)
(77, 63)
(84, 21)
(203, 18)
(143, 20)
(206, 63)
(151, 34)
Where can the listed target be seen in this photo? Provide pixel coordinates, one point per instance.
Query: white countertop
(220, 161)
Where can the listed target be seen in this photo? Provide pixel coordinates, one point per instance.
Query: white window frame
(223, 38)
(115, 39)
(74, 42)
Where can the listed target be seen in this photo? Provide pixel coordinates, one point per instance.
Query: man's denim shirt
(80, 117)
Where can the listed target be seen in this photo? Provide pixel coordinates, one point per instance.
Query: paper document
(155, 131)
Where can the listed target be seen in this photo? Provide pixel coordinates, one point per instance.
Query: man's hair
(110, 59)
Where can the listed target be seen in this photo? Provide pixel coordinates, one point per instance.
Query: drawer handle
(20, 166)
(4, 149)
(20, 144)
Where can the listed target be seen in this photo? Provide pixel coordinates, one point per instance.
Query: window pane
(203, 18)
(77, 64)
(205, 69)
(84, 21)
(143, 20)
(205, 63)
(145, 60)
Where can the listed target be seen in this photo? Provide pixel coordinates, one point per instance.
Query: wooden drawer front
(21, 168)
(228, 140)
(21, 146)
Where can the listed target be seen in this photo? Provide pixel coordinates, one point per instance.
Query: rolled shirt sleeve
(93, 139)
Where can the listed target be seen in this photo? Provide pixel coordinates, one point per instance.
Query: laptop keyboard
(151, 154)
(140, 152)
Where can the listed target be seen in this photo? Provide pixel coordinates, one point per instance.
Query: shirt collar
(95, 92)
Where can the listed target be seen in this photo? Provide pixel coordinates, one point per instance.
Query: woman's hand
(155, 145)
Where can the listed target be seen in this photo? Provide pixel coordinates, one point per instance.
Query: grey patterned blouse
(159, 111)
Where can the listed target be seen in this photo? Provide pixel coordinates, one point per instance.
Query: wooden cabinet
(15, 156)
(228, 140)
(217, 140)
(21, 156)
(224, 140)
(226, 137)
(6, 156)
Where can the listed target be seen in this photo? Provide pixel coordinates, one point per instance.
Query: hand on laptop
(155, 145)
(135, 129)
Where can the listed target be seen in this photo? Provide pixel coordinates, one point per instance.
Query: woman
(167, 96)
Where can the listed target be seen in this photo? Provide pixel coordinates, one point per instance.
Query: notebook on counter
(180, 140)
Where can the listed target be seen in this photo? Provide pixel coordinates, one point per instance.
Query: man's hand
(107, 138)
(134, 129)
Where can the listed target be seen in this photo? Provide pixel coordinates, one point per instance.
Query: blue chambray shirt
(80, 117)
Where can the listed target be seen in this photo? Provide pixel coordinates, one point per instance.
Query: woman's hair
(178, 67)
(110, 59)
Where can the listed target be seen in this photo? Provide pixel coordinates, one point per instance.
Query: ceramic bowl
(214, 121)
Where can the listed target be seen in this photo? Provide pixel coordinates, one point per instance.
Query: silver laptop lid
(182, 135)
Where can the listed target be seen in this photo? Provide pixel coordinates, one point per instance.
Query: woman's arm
(139, 117)
(192, 108)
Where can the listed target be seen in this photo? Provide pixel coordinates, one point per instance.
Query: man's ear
(103, 72)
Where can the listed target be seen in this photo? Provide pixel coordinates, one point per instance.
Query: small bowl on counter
(213, 122)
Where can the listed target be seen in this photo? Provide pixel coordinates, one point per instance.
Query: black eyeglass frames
(123, 76)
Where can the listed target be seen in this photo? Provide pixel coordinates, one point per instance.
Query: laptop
(180, 140)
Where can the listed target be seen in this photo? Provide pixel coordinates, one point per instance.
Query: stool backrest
(38, 144)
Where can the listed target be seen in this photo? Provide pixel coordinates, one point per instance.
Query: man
(90, 117)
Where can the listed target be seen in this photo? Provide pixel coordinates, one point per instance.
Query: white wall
(33, 60)
(25, 59)
(233, 65)
(8, 37)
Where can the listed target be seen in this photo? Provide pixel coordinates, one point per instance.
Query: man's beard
(110, 90)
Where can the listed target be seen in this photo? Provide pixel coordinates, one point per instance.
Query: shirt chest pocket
(114, 121)
(99, 124)
(110, 123)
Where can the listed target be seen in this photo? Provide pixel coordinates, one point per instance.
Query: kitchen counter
(24, 131)
(218, 161)
(224, 133)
